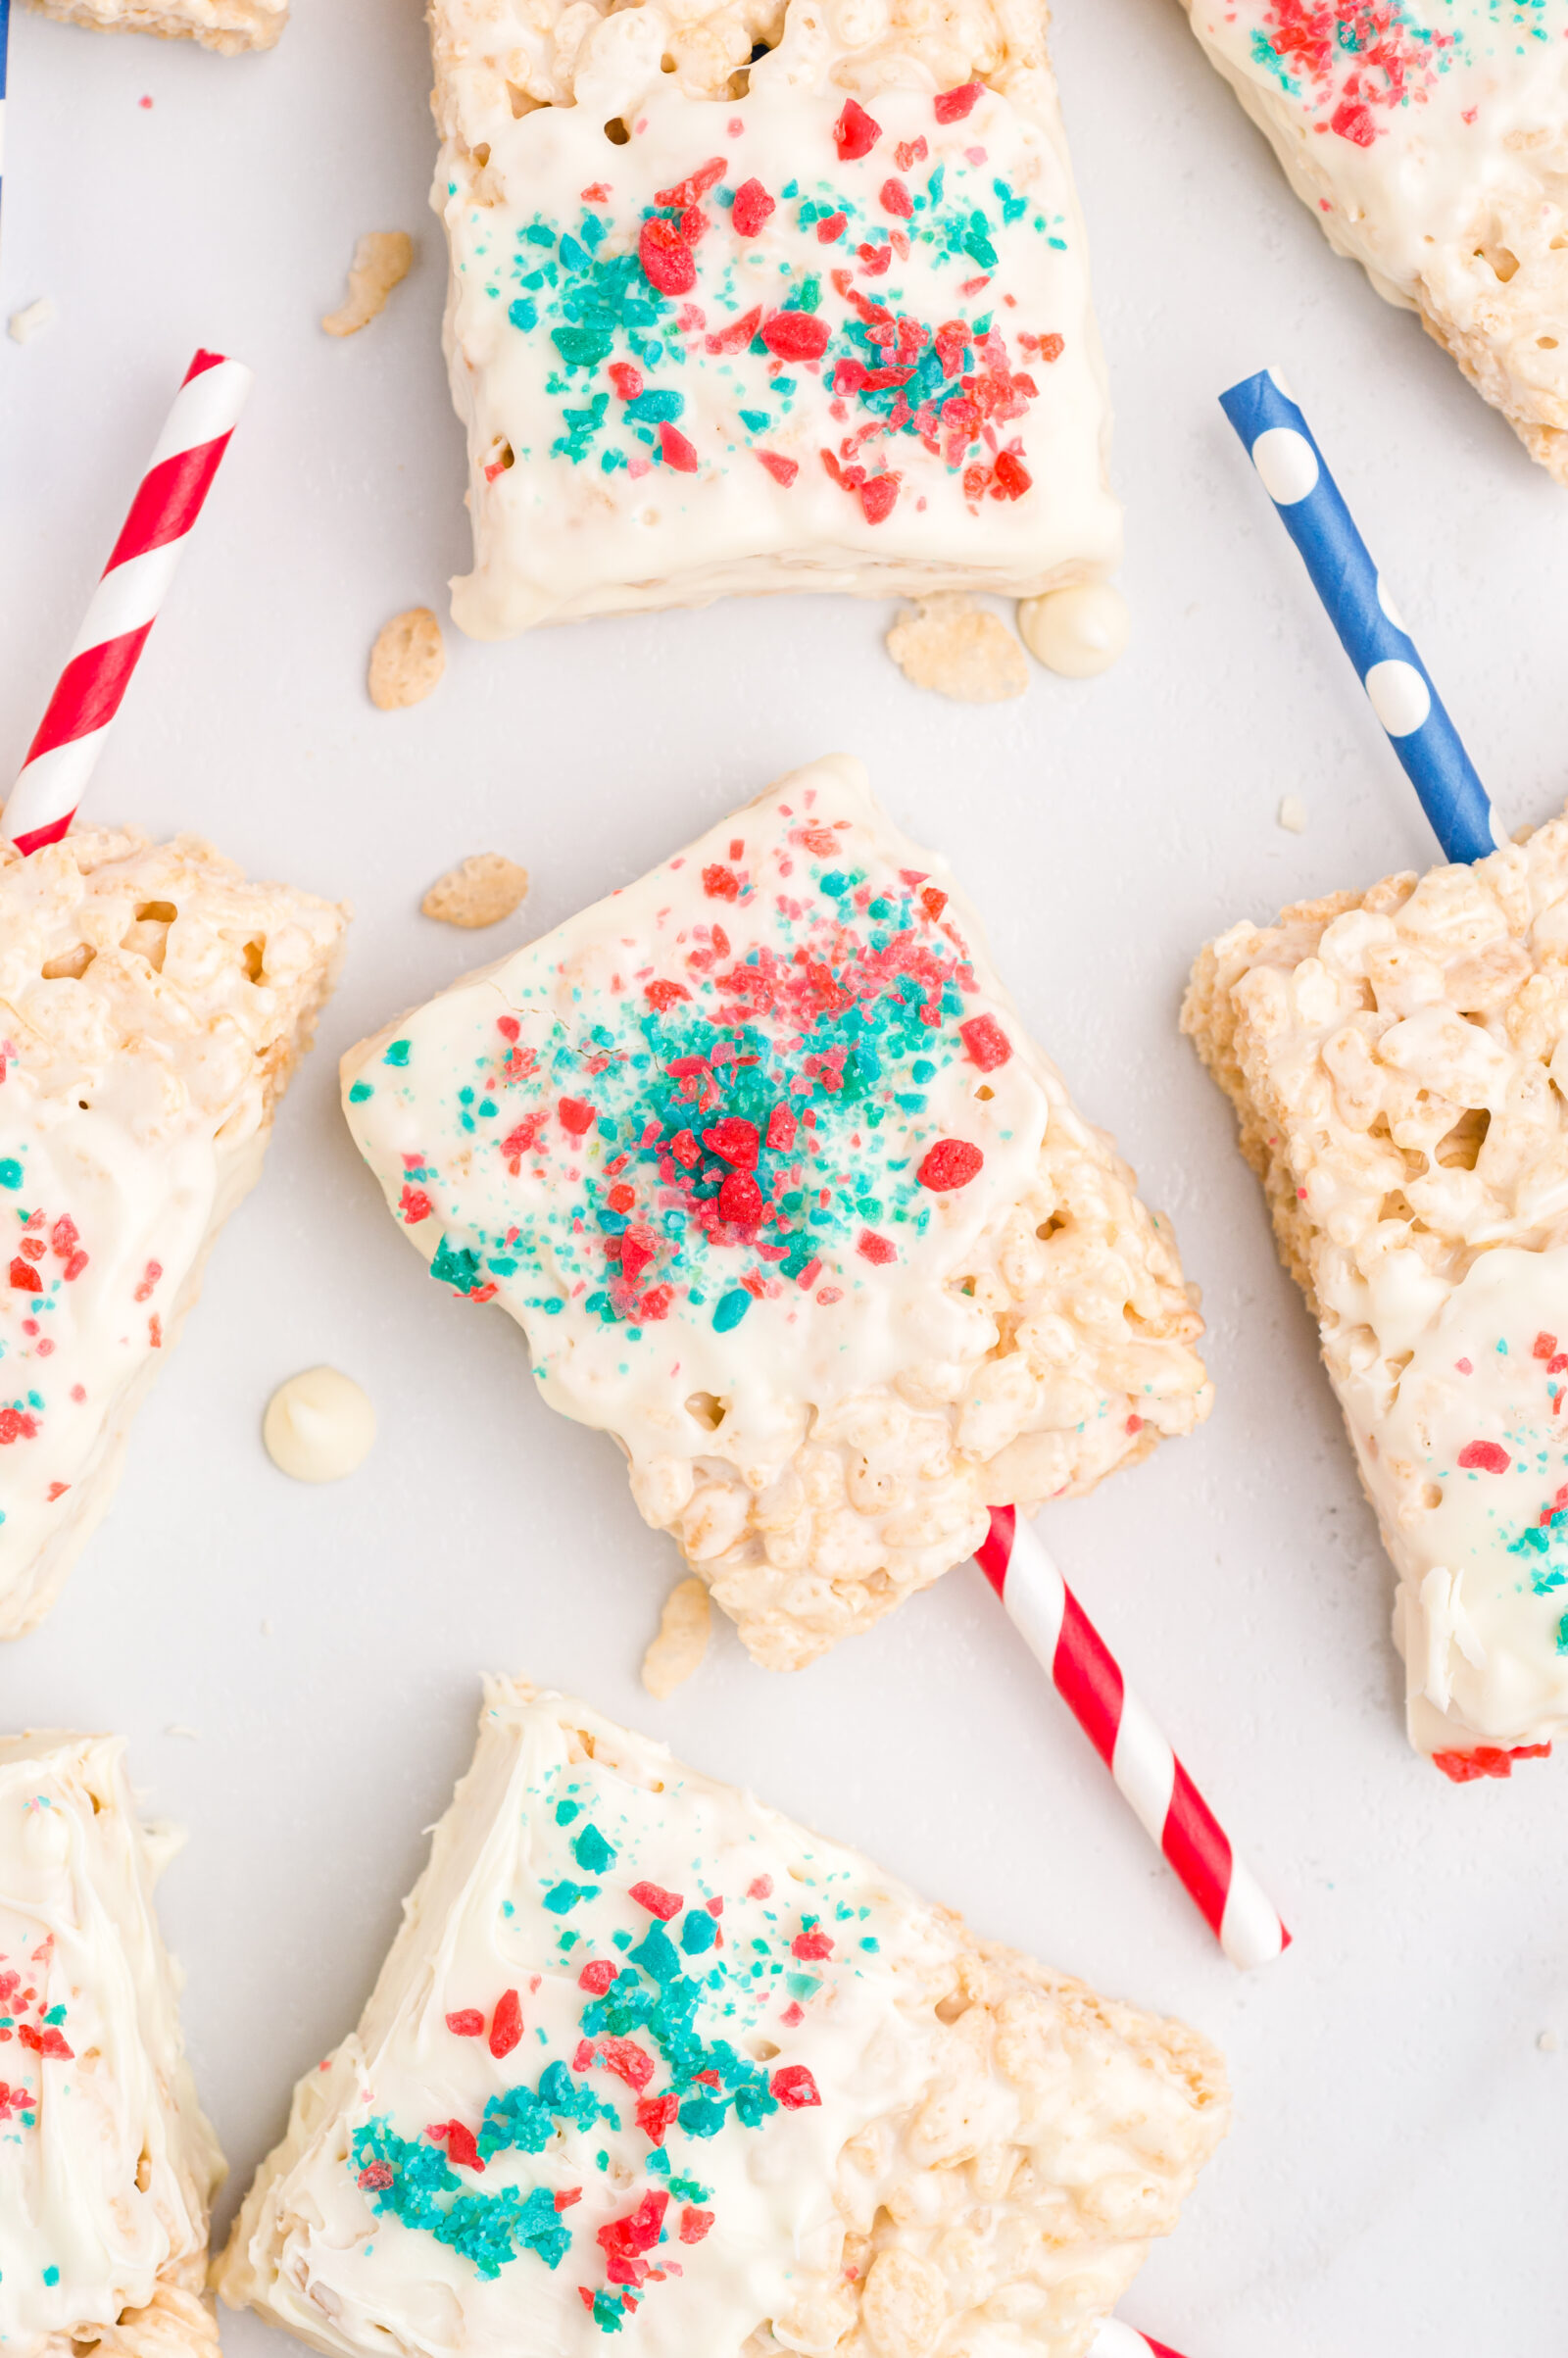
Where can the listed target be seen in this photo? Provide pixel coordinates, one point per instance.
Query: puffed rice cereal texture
(225, 25)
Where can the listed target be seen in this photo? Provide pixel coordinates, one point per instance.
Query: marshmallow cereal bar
(762, 1158)
(152, 1006)
(1431, 147)
(648, 2060)
(1396, 1059)
(754, 297)
(226, 25)
(107, 2166)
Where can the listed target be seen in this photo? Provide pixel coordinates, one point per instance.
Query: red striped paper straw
(1153, 1780)
(125, 606)
(1116, 2340)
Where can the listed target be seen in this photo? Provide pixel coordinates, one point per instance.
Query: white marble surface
(1395, 2181)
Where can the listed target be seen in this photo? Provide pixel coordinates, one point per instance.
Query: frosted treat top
(726, 1132)
(771, 340)
(631, 2022)
(103, 2182)
(149, 1002)
(1415, 117)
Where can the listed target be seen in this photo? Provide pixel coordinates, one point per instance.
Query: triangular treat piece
(764, 298)
(152, 1006)
(1432, 150)
(227, 25)
(648, 2060)
(107, 2166)
(761, 1156)
(1396, 1059)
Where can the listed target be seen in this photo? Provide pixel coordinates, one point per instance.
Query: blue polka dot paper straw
(5, 26)
(1398, 683)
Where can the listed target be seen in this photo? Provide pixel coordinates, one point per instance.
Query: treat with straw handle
(1153, 1780)
(1281, 444)
(125, 606)
(1116, 2340)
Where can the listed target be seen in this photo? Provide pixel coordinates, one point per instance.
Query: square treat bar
(762, 298)
(107, 2166)
(228, 25)
(649, 2060)
(152, 1006)
(760, 1154)
(1397, 1061)
(1432, 148)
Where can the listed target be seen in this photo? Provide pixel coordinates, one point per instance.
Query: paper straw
(1153, 1780)
(1282, 447)
(1116, 2340)
(135, 581)
(5, 28)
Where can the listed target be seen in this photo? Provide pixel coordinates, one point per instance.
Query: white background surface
(1397, 2176)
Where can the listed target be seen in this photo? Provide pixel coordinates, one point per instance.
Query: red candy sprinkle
(628, 383)
(794, 335)
(782, 471)
(896, 199)
(855, 132)
(761, 1889)
(466, 2023)
(873, 1247)
(720, 883)
(48, 2041)
(795, 2087)
(622, 2056)
(813, 1943)
(875, 262)
(952, 106)
(414, 1206)
(987, 1043)
(676, 451)
(753, 206)
(575, 1115)
(738, 334)
(831, 226)
(25, 1277)
(655, 1899)
(685, 1148)
(462, 2151)
(598, 1976)
(668, 260)
(781, 1129)
(623, 2240)
(505, 2026)
(739, 1198)
(375, 2177)
(1463, 1768)
(878, 498)
(656, 2115)
(1012, 477)
(664, 995)
(568, 2196)
(736, 1141)
(952, 1162)
(933, 902)
(696, 184)
(1543, 1345)
(693, 2225)
(1483, 1458)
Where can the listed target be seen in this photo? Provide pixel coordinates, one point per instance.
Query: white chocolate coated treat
(318, 1426)
(226, 25)
(1396, 1061)
(761, 1155)
(648, 2060)
(1076, 632)
(1430, 146)
(152, 1005)
(765, 337)
(107, 2166)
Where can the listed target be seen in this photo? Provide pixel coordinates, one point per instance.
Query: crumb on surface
(682, 1639)
(32, 320)
(1292, 814)
(480, 890)
(949, 643)
(407, 660)
(382, 259)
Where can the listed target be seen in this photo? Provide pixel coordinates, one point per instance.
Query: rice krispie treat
(1433, 150)
(762, 1158)
(1396, 1058)
(227, 25)
(152, 1006)
(754, 297)
(107, 2166)
(649, 2060)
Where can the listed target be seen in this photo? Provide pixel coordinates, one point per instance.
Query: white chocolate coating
(107, 2166)
(318, 1426)
(152, 1005)
(1076, 632)
(1430, 146)
(647, 431)
(731, 2089)
(760, 1155)
(1396, 1062)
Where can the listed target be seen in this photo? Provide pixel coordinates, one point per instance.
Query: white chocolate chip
(1293, 814)
(959, 650)
(1078, 632)
(407, 661)
(682, 1639)
(318, 1426)
(380, 260)
(32, 320)
(480, 891)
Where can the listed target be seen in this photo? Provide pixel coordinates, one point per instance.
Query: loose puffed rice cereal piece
(682, 1639)
(960, 650)
(1398, 1061)
(762, 1157)
(408, 661)
(382, 259)
(480, 891)
(634, 2014)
